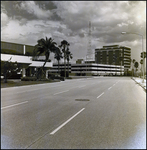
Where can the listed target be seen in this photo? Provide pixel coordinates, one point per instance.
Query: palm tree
(133, 65)
(132, 61)
(58, 56)
(64, 45)
(141, 62)
(136, 64)
(44, 47)
(68, 57)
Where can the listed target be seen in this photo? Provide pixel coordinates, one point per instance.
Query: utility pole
(142, 48)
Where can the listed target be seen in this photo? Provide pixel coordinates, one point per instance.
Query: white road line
(14, 105)
(61, 92)
(110, 88)
(79, 79)
(82, 86)
(100, 95)
(36, 89)
(53, 132)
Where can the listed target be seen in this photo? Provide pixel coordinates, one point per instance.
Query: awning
(26, 60)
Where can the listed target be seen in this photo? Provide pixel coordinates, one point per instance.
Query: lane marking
(93, 83)
(14, 105)
(53, 132)
(35, 89)
(61, 92)
(82, 86)
(110, 88)
(117, 81)
(100, 95)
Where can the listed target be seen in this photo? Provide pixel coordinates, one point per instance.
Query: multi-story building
(22, 54)
(89, 69)
(107, 60)
(114, 55)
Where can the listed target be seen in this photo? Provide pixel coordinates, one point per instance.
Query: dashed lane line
(14, 105)
(53, 132)
(109, 88)
(61, 92)
(100, 95)
(113, 85)
(82, 86)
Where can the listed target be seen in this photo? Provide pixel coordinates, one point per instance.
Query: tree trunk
(64, 66)
(68, 68)
(143, 68)
(58, 66)
(5, 77)
(39, 73)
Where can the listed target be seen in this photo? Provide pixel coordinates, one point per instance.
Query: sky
(26, 22)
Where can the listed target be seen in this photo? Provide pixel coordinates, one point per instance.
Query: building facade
(114, 55)
(16, 49)
(89, 69)
(22, 54)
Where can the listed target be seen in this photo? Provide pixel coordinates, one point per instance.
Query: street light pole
(142, 49)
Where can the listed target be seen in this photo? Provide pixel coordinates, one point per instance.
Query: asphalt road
(100, 112)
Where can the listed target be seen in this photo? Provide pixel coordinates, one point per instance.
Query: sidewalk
(139, 81)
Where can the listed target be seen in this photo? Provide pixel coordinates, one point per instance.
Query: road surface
(98, 112)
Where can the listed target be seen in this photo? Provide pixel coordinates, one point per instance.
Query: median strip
(61, 92)
(53, 132)
(100, 95)
(14, 105)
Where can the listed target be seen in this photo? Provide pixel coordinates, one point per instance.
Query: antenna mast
(89, 55)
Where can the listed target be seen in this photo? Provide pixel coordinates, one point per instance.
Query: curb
(140, 84)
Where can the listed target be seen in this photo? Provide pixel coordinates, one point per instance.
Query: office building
(114, 55)
(89, 69)
(22, 54)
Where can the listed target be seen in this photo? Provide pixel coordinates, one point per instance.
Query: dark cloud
(49, 5)
(81, 35)
(133, 3)
(13, 10)
(69, 20)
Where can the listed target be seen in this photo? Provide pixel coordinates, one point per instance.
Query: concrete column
(24, 49)
(46, 74)
(23, 72)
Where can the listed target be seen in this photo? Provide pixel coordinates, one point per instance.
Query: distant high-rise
(114, 55)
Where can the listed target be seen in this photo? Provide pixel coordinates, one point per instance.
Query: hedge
(28, 78)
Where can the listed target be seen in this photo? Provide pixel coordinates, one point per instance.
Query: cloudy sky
(27, 21)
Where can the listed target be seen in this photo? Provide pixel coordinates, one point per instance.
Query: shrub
(53, 76)
(69, 78)
(28, 78)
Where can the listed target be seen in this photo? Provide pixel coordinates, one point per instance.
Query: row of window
(12, 48)
(98, 70)
(87, 66)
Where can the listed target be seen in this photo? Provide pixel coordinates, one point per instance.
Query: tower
(89, 56)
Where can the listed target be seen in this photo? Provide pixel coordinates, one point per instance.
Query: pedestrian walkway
(139, 81)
